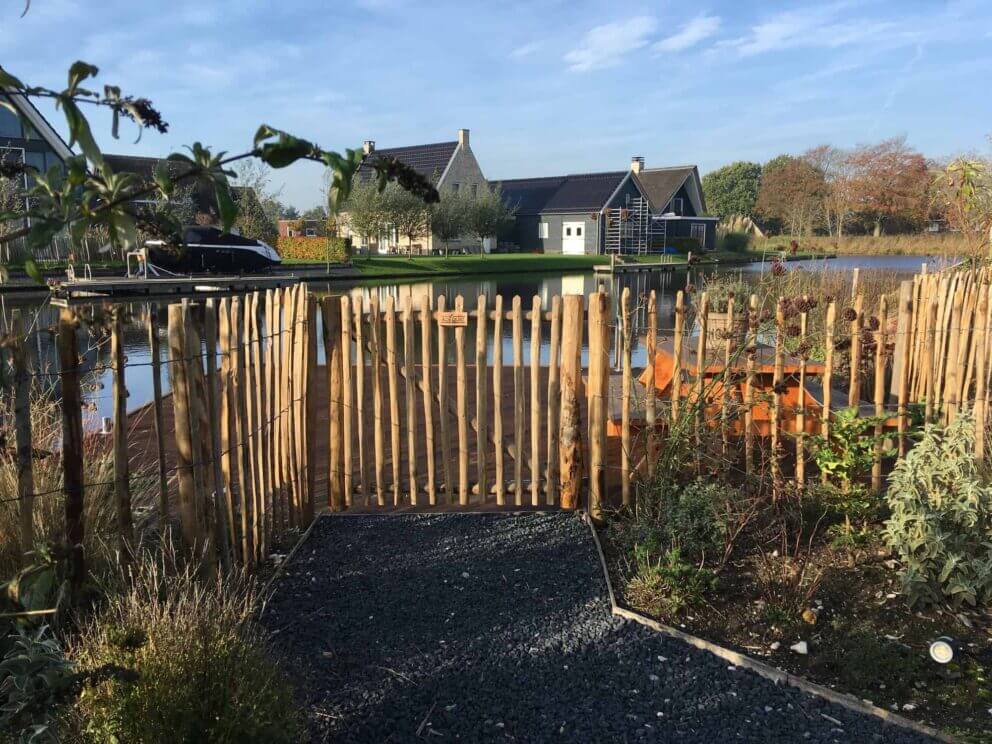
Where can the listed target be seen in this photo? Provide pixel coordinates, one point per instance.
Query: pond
(98, 381)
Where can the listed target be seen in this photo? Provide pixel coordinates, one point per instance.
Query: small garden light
(942, 650)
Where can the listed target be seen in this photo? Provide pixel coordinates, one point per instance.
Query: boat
(207, 249)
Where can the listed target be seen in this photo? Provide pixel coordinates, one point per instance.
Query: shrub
(941, 519)
(35, 679)
(202, 672)
(309, 248)
(736, 242)
(687, 518)
(684, 245)
(668, 584)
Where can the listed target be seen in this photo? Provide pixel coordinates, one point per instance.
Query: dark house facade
(638, 210)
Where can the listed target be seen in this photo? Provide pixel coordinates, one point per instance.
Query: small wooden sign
(453, 319)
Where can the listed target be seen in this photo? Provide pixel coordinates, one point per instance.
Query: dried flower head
(874, 323)
(793, 330)
(849, 314)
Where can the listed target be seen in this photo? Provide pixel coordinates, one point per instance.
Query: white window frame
(474, 190)
(543, 230)
(698, 230)
(678, 205)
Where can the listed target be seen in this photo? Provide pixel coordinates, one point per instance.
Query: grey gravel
(498, 628)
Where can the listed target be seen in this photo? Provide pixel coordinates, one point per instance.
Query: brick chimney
(368, 147)
(463, 137)
(637, 164)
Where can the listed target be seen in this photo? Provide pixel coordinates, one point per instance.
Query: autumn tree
(889, 180)
(962, 195)
(733, 189)
(838, 196)
(791, 195)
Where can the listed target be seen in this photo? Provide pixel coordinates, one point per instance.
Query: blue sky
(546, 86)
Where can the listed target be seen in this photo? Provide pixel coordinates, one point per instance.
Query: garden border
(758, 667)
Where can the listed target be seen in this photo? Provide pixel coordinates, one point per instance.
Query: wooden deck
(164, 286)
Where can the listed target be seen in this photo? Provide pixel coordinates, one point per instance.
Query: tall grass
(916, 244)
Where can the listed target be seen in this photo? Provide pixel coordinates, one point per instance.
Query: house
(451, 166)
(639, 210)
(290, 228)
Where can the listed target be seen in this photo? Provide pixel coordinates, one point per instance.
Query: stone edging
(765, 670)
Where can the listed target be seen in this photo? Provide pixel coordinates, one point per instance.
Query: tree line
(886, 187)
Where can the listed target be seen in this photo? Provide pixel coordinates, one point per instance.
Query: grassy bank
(379, 266)
(944, 244)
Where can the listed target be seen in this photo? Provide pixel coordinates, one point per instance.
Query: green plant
(688, 518)
(203, 673)
(35, 678)
(667, 584)
(941, 519)
(720, 288)
(847, 454)
(733, 242)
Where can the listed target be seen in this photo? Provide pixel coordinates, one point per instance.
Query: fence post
(498, 455)
(517, 321)
(677, 354)
(331, 311)
(481, 397)
(214, 417)
(750, 351)
(876, 467)
(570, 467)
(535, 401)
(828, 375)
(854, 388)
(154, 348)
(22, 433)
(651, 393)
(904, 344)
(625, 342)
(310, 396)
(981, 350)
(599, 349)
(426, 326)
(72, 449)
(800, 417)
(554, 400)
(703, 315)
(122, 474)
(777, 376)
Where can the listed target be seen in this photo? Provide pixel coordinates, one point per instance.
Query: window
(578, 231)
(311, 232)
(698, 232)
(542, 231)
(455, 187)
(10, 125)
(475, 190)
(292, 232)
(677, 205)
(568, 232)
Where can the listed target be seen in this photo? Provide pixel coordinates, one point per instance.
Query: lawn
(516, 263)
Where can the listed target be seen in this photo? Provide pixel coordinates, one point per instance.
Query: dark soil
(498, 628)
(863, 641)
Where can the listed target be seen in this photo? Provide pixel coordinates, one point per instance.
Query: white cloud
(699, 28)
(604, 46)
(526, 50)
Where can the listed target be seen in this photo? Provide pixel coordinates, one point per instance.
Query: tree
(315, 213)
(366, 211)
(733, 189)
(838, 198)
(290, 213)
(889, 180)
(488, 215)
(410, 216)
(448, 217)
(791, 195)
(962, 195)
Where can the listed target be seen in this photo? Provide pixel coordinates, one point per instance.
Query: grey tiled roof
(428, 160)
(660, 184)
(582, 192)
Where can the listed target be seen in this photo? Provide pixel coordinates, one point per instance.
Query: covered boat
(207, 249)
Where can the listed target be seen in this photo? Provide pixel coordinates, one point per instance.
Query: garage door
(573, 238)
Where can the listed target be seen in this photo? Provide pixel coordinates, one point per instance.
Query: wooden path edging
(758, 667)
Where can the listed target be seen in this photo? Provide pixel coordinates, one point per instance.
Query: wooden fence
(426, 405)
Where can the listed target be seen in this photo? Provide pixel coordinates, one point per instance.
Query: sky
(545, 86)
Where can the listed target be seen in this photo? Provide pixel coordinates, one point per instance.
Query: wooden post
(929, 340)
(751, 349)
(876, 468)
(156, 365)
(378, 426)
(310, 401)
(801, 410)
(777, 381)
(625, 341)
(394, 402)
(227, 430)
(409, 385)
(288, 407)
(214, 418)
(442, 402)
(347, 399)
(481, 396)
(981, 371)
(554, 402)
(256, 374)
(828, 375)
(426, 323)
(677, 354)
(518, 400)
(854, 388)
(246, 405)
(461, 399)
(725, 387)
(952, 368)
(498, 458)
(22, 434)
(200, 438)
(570, 448)
(185, 451)
(275, 524)
(906, 346)
(72, 450)
(700, 402)
(238, 445)
(331, 311)
(650, 396)
(856, 275)
(299, 401)
(363, 460)
(598, 390)
(535, 402)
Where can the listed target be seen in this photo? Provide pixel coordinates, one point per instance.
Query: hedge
(304, 248)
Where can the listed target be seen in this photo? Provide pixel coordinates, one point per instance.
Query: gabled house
(451, 166)
(29, 139)
(638, 210)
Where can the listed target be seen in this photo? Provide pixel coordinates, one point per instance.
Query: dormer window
(677, 205)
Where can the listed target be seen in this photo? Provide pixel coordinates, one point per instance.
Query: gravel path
(498, 628)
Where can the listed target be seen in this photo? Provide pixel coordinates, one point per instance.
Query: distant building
(302, 228)
(450, 165)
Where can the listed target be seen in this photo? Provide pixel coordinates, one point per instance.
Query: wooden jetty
(617, 265)
(122, 287)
